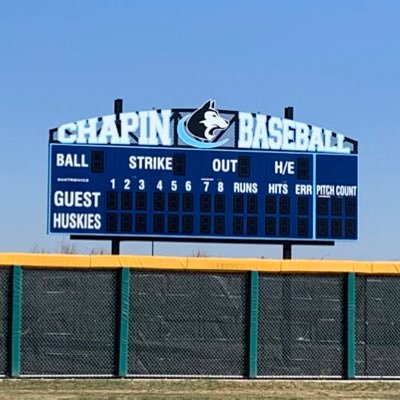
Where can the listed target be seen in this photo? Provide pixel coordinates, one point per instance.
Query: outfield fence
(127, 316)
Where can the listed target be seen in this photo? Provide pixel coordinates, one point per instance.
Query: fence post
(124, 323)
(350, 326)
(253, 336)
(16, 321)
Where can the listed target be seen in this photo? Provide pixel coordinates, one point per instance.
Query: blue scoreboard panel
(181, 193)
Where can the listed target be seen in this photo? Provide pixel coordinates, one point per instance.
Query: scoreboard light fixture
(202, 175)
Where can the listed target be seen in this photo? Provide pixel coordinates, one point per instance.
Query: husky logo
(200, 128)
(205, 121)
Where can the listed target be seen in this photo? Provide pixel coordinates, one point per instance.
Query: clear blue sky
(336, 62)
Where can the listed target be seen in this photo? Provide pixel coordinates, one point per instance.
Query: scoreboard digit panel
(336, 197)
(221, 194)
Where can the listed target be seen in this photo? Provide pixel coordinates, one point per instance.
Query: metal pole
(115, 243)
(289, 113)
(287, 247)
(118, 107)
(115, 246)
(286, 325)
(287, 251)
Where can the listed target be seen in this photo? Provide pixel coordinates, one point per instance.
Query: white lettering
(325, 190)
(76, 199)
(340, 144)
(109, 132)
(159, 130)
(316, 143)
(71, 160)
(63, 136)
(245, 187)
(256, 131)
(302, 136)
(87, 131)
(143, 137)
(288, 134)
(284, 167)
(346, 191)
(147, 162)
(301, 189)
(76, 221)
(245, 130)
(219, 165)
(260, 139)
(275, 133)
(328, 142)
(129, 124)
(278, 188)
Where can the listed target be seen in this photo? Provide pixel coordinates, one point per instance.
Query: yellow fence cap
(197, 263)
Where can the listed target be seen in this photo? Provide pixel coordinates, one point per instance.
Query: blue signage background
(159, 192)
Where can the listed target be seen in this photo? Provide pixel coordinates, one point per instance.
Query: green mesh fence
(5, 293)
(188, 323)
(378, 326)
(301, 325)
(69, 322)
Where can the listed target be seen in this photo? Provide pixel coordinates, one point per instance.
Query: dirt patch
(194, 389)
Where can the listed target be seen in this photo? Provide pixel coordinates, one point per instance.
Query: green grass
(196, 389)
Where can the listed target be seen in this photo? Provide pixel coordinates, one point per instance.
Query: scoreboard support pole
(287, 284)
(287, 251)
(287, 247)
(115, 243)
(115, 246)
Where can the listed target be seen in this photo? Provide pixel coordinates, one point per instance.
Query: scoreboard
(182, 192)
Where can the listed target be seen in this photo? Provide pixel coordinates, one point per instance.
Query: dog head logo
(204, 123)
(200, 128)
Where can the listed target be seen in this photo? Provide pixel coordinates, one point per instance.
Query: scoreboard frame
(349, 146)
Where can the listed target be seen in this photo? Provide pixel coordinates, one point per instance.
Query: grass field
(199, 389)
